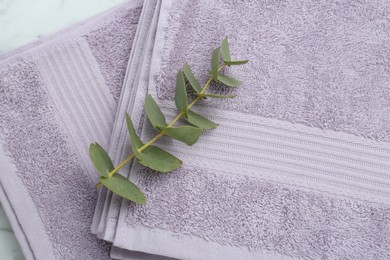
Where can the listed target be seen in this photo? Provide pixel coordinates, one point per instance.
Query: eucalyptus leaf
(135, 140)
(218, 96)
(181, 94)
(100, 159)
(123, 187)
(228, 81)
(225, 50)
(186, 134)
(158, 159)
(191, 78)
(236, 62)
(154, 157)
(156, 117)
(215, 63)
(200, 121)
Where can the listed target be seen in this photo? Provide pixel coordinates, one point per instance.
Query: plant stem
(154, 139)
(123, 163)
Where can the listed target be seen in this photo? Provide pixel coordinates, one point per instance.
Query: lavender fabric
(297, 169)
(58, 95)
(299, 166)
(107, 212)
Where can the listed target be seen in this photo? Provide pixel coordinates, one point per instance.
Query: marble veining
(4, 223)
(9, 247)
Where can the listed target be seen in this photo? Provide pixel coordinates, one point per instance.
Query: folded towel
(299, 165)
(107, 210)
(57, 96)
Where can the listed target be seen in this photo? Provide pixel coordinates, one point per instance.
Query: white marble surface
(21, 22)
(9, 248)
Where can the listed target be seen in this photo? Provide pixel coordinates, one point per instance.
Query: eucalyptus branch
(161, 134)
(152, 156)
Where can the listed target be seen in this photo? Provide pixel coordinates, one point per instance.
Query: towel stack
(299, 166)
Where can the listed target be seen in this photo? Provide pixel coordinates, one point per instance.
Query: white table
(23, 21)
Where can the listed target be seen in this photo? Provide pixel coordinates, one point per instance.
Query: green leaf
(186, 134)
(236, 62)
(191, 78)
(218, 96)
(181, 94)
(225, 50)
(215, 63)
(228, 81)
(200, 121)
(226, 55)
(135, 140)
(156, 117)
(158, 159)
(100, 159)
(152, 156)
(124, 188)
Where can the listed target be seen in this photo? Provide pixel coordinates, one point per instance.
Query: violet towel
(299, 166)
(57, 96)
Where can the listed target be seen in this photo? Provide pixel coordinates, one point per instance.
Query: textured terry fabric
(299, 164)
(57, 96)
(327, 61)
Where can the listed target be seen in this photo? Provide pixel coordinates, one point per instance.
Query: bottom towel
(57, 96)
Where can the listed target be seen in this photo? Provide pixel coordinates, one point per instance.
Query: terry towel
(57, 96)
(299, 165)
(107, 209)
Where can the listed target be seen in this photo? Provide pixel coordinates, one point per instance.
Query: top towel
(299, 166)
